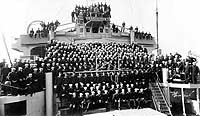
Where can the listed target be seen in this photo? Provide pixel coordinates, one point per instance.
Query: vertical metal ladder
(159, 99)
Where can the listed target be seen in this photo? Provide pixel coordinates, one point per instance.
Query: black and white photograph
(99, 58)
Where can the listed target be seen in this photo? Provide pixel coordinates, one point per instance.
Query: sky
(179, 20)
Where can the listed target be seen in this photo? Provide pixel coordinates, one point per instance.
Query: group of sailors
(44, 31)
(142, 35)
(22, 78)
(129, 90)
(96, 56)
(94, 10)
(179, 70)
(96, 74)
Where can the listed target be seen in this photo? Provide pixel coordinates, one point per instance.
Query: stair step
(158, 94)
(157, 90)
(159, 97)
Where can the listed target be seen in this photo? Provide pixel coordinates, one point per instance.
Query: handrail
(11, 86)
(165, 99)
(99, 71)
(65, 24)
(65, 29)
(153, 98)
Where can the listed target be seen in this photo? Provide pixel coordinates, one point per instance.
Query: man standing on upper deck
(195, 72)
(123, 27)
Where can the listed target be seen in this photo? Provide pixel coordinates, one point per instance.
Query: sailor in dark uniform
(81, 102)
(13, 78)
(93, 100)
(41, 79)
(195, 72)
(4, 72)
(116, 99)
(59, 83)
(21, 79)
(105, 98)
(27, 70)
(29, 81)
(86, 102)
(74, 105)
(36, 83)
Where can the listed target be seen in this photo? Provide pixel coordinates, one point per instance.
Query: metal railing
(162, 93)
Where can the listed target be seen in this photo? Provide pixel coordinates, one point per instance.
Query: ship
(167, 97)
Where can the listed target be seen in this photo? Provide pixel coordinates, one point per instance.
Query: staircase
(159, 99)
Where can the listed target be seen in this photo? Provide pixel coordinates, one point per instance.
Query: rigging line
(157, 25)
(6, 49)
(61, 9)
(131, 6)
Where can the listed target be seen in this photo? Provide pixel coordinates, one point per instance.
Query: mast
(157, 26)
(6, 48)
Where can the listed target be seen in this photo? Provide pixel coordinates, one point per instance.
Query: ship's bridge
(89, 24)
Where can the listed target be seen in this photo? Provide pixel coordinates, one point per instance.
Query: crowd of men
(23, 78)
(94, 10)
(93, 75)
(96, 56)
(108, 89)
(142, 35)
(93, 57)
(44, 31)
(179, 70)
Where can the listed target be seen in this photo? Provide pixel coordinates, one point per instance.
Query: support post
(49, 94)
(183, 101)
(197, 112)
(165, 75)
(132, 36)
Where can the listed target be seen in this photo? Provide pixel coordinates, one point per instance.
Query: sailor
(31, 33)
(195, 72)
(59, 83)
(21, 80)
(13, 78)
(27, 69)
(35, 81)
(4, 72)
(116, 99)
(37, 33)
(57, 24)
(29, 81)
(123, 27)
(74, 103)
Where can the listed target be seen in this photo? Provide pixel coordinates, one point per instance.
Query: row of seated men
(108, 77)
(45, 28)
(25, 81)
(93, 94)
(180, 70)
(93, 56)
(99, 10)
